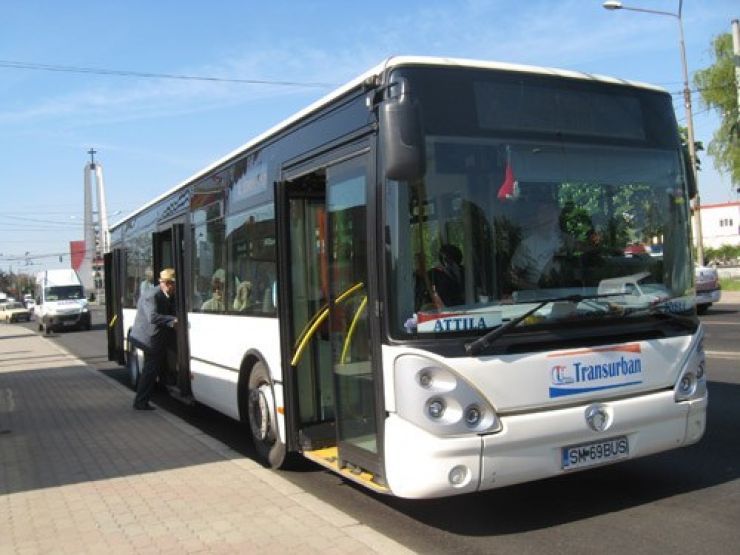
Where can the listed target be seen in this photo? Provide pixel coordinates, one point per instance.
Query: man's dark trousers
(148, 379)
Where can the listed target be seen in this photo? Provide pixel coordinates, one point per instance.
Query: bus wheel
(263, 418)
(134, 362)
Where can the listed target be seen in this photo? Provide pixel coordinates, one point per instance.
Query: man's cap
(168, 274)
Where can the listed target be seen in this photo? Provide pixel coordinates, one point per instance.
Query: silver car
(708, 290)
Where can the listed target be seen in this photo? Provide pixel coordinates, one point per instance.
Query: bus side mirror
(401, 136)
(690, 175)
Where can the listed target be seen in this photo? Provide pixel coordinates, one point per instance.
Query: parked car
(14, 312)
(708, 289)
(635, 249)
(633, 290)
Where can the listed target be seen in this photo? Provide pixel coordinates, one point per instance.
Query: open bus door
(334, 397)
(115, 265)
(169, 251)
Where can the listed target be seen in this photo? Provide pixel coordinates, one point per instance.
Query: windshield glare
(496, 225)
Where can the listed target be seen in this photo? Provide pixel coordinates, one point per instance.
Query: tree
(4, 281)
(718, 91)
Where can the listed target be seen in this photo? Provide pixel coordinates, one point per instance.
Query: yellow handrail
(308, 335)
(324, 307)
(316, 320)
(113, 321)
(351, 331)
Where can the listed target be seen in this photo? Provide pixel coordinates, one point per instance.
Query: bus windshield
(505, 218)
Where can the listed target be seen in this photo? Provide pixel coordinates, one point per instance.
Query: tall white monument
(97, 238)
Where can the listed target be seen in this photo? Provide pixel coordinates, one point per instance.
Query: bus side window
(251, 266)
(208, 273)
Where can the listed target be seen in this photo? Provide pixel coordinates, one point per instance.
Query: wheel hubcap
(259, 413)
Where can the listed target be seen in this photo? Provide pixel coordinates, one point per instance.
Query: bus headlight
(473, 415)
(692, 381)
(437, 399)
(436, 408)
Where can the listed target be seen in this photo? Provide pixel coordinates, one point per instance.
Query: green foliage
(718, 91)
(16, 284)
(614, 210)
(729, 284)
(722, 254)
(4, 281)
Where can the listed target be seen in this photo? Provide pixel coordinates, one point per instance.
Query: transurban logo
(583, 377)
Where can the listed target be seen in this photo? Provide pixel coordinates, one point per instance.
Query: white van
(60, 301)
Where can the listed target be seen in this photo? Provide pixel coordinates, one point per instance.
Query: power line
(23, 218)
(11, 64)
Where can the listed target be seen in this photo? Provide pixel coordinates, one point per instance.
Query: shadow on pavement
(64, 425)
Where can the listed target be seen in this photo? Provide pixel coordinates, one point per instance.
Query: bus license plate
(597, 452)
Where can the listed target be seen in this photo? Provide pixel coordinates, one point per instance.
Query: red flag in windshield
(509, 189)
(509, 186)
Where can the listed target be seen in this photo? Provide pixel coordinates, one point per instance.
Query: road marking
(723, 354)
(720, 323)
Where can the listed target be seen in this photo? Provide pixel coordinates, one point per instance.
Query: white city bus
(374, 283)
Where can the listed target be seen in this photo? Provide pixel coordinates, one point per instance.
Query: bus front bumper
(531, 446)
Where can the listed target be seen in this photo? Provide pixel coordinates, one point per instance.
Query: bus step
(318, 436)
(328, 458)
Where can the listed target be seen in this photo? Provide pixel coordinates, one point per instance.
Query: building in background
(721, 224)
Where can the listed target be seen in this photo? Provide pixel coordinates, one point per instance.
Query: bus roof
(394, 61)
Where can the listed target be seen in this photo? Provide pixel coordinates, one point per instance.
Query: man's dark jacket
(153, 325)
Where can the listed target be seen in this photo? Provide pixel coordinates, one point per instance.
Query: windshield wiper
(477, 345)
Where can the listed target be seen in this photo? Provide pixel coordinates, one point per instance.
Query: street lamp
(614, 5)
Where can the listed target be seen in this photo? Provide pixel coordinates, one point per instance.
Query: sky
(151, 133)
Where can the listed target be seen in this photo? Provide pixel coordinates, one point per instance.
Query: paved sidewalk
(80, 471)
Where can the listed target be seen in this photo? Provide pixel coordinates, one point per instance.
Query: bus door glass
(308, 312)
(327, 309)
(349, 331)
(115, 267)
(168, 252)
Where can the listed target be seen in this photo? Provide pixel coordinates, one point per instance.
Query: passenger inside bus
(533, 260)
(216, 302)
(242, 300)
(448, 277)
(147, 283)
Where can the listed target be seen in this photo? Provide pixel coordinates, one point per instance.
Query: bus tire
(263, 418)
(134, 361)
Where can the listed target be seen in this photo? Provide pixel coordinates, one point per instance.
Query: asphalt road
(685, 501)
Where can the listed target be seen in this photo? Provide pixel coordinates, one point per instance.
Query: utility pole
(698, 236)
(736, 56)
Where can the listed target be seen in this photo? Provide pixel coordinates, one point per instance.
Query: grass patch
(730, 284)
